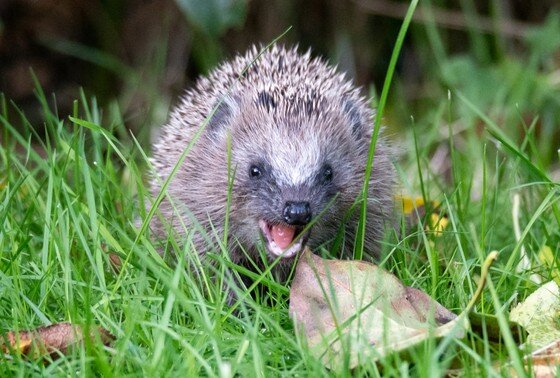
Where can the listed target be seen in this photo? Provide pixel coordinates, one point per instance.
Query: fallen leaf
(114, 259)
(356, 309)
(539, 314)
(49, 340)
(549, 354)
(543, 363)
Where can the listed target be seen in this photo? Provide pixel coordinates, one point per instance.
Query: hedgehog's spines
(293, 112)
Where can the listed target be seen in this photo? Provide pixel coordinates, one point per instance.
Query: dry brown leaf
(116, 262)
(114, 259)
(49, 340)
(358, 308)
(543, 363)
(547, 355)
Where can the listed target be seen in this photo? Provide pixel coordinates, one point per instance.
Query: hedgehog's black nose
(297, 213)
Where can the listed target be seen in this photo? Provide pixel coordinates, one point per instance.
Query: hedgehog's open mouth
(282, 239)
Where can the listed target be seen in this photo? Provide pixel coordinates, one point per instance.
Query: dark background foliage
(139, 55)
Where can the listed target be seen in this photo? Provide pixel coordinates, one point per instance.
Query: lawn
(71, 198)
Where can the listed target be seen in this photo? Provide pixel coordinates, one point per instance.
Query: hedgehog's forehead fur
(281, 105)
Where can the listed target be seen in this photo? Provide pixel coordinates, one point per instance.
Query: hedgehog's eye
(326, 174)
(255, 171)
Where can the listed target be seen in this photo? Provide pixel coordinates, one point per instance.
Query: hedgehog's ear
(358, 121)
(224, 109)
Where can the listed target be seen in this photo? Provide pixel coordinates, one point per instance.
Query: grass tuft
(70, 199)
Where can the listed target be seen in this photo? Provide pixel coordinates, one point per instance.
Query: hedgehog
(277, 150)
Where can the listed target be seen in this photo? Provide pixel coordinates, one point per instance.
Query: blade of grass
(497, 133)
(361, 229)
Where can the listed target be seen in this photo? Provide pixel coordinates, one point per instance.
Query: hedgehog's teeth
(294, 249)
(280, 239)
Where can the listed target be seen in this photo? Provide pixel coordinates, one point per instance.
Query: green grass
(68, 199)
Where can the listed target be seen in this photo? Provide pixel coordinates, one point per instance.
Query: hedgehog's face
(287, 203)
(293, 171)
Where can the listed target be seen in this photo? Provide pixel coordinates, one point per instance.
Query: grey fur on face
(296, 133)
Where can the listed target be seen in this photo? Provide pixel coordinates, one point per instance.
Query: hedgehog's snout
(297, 213)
